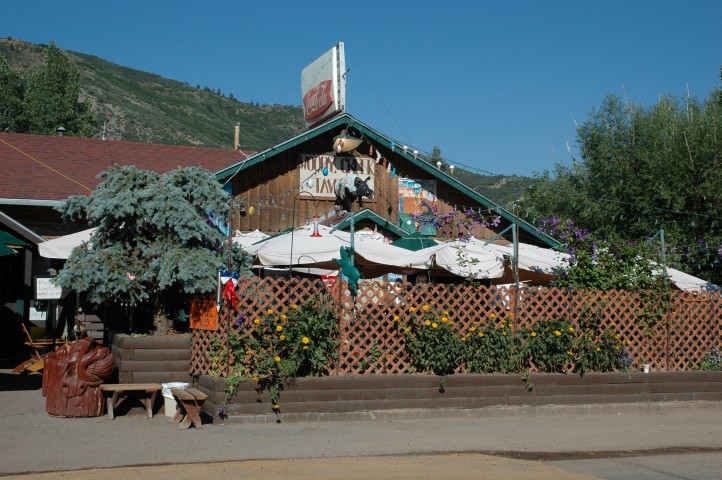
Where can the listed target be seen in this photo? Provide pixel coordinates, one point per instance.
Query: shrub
(431, 341)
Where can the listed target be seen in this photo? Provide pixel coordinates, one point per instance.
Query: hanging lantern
(309, 182)
(325, 171)
(251, 210)
(315, 226)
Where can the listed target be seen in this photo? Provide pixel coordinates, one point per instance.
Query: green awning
(10, 239)
(7, 241)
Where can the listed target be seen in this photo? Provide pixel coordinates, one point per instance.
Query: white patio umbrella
(300, 248)
(467, 259)
(245, 239)
(61, 247)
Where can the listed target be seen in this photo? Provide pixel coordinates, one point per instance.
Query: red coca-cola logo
(317, 100)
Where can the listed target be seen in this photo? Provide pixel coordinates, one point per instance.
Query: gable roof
(346, 120)
(43, 169)
(344, 222)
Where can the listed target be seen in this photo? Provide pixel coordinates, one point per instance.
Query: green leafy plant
(490, 347)
(549, 345)
(274, 347)
(431, 341)
(598, 349)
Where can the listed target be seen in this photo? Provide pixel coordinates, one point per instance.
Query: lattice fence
(371, 343)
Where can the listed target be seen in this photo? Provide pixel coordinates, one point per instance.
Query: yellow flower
(571, 329)
(599, 349)
(294, 306)
(255, 379)
(305, 347)
(427, 322)
(492, 316)
(284, 317)
(557, 333)
(503, 333)
(278, 359)
(444, 319)
(617, 347)
(269, 311)
(628, 342)
(472, 329)
(533, 334)
(407, 329)
(305, 340)
(432, 303)
(412, 309)
(446, 313)
(425, 308)
(282, 337)
(249, 352)
(569, 352)
(481, 334)
(434, 325)
(617, 336)
(257, 321)
(276, 407)
(396, 318)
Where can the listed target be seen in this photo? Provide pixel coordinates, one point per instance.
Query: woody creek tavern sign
(338, 167)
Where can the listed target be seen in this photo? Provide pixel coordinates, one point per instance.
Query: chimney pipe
(237, 137)
(60, 131)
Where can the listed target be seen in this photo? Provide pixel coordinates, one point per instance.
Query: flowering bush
(431, 341)
(549, 345)
(598, 349)
(275, 346)
(490, 347)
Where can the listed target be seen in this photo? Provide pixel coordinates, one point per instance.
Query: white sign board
(338, 167)
(45, 289)
(323, 86)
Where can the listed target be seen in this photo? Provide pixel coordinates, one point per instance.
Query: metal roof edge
(367, 214)
(20, 229)
(281, 147)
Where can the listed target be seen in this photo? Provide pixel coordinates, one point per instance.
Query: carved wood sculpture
(72, 376)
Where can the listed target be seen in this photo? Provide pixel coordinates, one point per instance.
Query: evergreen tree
(153, 241)
(12, 92)
(642, 170)
(51, 97)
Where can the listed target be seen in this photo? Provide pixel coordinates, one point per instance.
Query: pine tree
(153, 245)
(51, 97)
(12, 92)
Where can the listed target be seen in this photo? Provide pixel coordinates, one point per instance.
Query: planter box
(343, 396)
(151, 359)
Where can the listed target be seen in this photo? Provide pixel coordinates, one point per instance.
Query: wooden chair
(36, 362)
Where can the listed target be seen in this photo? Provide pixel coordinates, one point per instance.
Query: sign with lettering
(45, 289)
(338, 166)
(323, 86)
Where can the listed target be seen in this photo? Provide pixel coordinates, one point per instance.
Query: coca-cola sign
(323, 87)
(318, 99)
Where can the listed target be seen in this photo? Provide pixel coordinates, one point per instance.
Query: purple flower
(239, 322)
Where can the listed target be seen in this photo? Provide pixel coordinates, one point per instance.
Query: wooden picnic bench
(118, 392)
(189, 403)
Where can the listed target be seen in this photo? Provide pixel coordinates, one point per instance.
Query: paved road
(660, 441)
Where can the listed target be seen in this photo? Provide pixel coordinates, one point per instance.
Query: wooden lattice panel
(370, 340)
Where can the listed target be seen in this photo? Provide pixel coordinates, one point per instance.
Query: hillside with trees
(133, 105)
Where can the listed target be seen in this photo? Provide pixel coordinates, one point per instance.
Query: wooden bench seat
(189, 403)
(118, 392)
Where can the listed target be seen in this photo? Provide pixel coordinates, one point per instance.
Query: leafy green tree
(52, 97)
(642, 170)
(12, 92)
(153, 241)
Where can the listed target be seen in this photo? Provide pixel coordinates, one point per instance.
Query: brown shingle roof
(47, 167)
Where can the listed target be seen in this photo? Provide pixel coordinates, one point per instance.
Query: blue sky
(497, 86)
